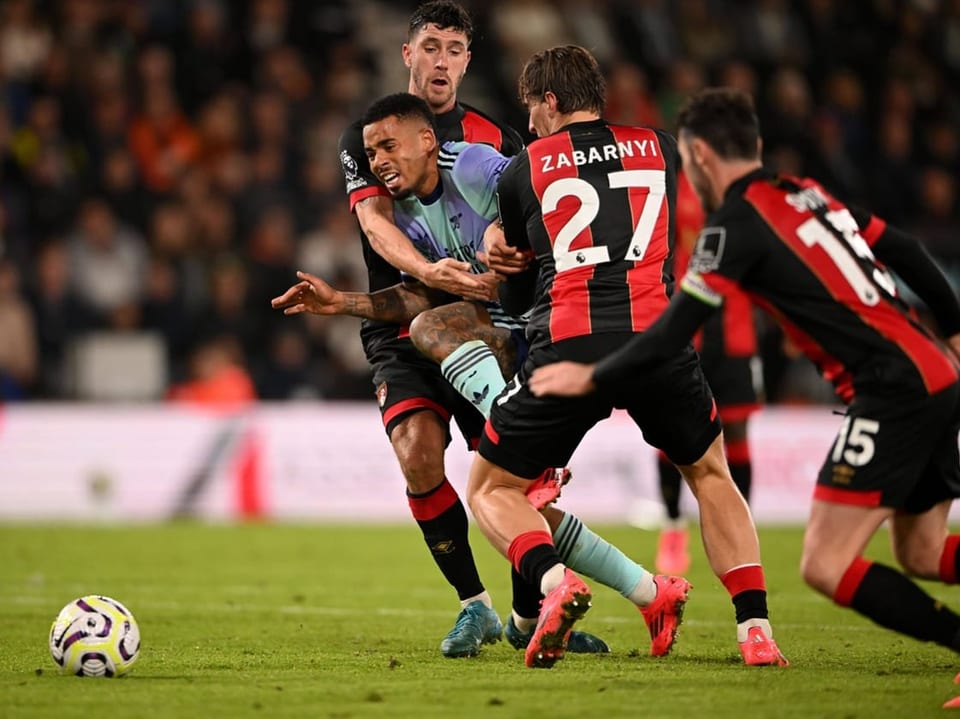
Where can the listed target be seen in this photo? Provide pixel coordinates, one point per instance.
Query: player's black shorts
(408, 382)
(895, 451)
(671, 404)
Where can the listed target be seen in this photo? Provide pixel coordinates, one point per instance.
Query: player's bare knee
(816, 573)
(918, 559)
(423, 332)
(418, 443)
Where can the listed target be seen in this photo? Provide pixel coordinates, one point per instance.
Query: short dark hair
(445, 14)
(725, 119)
(568, 71)
(400, 104)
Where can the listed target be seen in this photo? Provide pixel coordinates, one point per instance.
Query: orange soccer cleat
(760, 651)
(665, 613)
(545, 489)
(563, 606)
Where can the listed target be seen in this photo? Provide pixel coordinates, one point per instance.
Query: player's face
(400, 154)
(695, 173)
(437, 60)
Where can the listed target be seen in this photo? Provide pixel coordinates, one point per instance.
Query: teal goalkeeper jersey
(450, 222)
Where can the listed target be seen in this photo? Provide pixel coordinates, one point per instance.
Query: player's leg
(523, 435)
(833, 564)
(520, 533)
(904, 472)
(473, 355)
(419, 440)
(690, 435)
(660, 599)
(673, 554)
(411, 408)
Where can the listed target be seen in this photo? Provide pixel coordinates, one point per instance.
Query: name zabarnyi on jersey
(610, 151)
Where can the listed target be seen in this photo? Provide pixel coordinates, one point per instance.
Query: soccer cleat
(545, 489)
(952, 704)
(665, 613)
(578, 643)
(759, 651)
(477, 624)
(672, 554)
(563, 606)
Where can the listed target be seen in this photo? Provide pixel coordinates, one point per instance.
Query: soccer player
(416, 403)
(821, 268)
(431, 185)
(727, 345)
(594, 203)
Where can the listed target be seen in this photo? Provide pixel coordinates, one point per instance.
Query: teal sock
(587, 553)
(474, 372)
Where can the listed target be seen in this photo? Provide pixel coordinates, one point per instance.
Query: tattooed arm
(398, 304)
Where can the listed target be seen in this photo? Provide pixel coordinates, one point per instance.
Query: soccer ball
(95, 636)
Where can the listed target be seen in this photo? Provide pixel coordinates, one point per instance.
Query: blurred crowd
(167, 165)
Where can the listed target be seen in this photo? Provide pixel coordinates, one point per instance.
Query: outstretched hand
(562, 379)
(311, 294)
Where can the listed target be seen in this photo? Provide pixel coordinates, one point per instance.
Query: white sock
(645, 591)
(482, 597)
(744, 627)
(552, 579)
(524, 624)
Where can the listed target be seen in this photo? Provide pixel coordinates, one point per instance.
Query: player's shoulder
(510, 144)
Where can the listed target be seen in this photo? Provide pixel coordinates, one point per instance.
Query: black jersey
(595, 204)
(462, 123)
(807, 258)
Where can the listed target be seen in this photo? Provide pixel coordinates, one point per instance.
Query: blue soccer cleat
(578, 643)
(477, 624)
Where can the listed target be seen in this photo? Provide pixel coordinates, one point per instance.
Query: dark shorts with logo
(407, 382)
(895, 451)
(671, 404)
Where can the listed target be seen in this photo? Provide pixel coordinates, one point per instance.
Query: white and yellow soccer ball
(95, 636)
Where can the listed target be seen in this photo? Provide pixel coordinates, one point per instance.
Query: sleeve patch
(708, 251)
(351, 172)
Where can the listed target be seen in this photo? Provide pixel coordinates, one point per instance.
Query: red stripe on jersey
(570, 294)
(884, 318)
(830, 367)
(648, 294)
(871, 233)
(739, 333)
(477, 128)
(836, 495)
(363, 194)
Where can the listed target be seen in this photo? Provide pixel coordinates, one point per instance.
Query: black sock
(526, 596)
(751, 604)
(443, 521)
(537, 562)
(670, 481)
(742, 473)
(893, 601)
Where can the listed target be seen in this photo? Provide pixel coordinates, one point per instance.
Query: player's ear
(428, 139)
(551, 100)
(406, 51)
(699, 150)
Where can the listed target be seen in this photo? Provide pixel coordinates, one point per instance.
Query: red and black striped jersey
(732, 331)
(462, 123)
(595, 203)
(806, 257)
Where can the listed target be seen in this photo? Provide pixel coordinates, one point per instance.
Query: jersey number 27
(567, 259)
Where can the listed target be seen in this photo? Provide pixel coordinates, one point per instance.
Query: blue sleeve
(476, 171)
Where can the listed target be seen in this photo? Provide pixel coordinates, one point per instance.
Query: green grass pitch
(345, 621)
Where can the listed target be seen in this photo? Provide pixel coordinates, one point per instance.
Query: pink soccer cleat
(673, 557)
(759, 651)
(665, 613)
(545, 489)
(563, 606)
